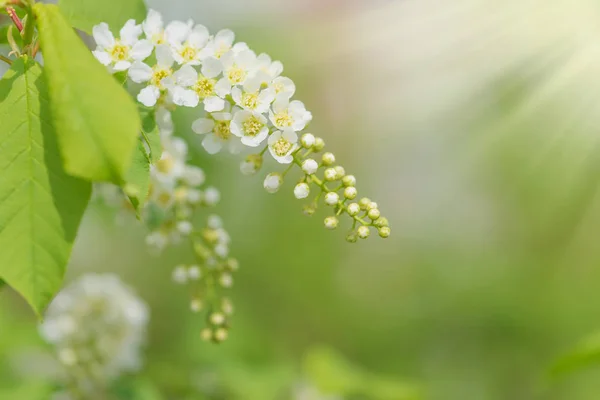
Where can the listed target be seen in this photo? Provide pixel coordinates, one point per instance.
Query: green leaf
(138, 177)
(84, 14)
(151, 134)
(583, 355)
(96, 120)
(40, 205)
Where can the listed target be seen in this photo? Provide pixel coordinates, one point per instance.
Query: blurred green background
(474, 126)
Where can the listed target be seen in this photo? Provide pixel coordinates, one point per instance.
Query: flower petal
(212, 144)
(130, 32)
(148, 96)
(184, 97)
(203, 125)
(198, 37)
(225, 36)
(164, 56)
(186, 76)
(103, 36)
(121, 66)
(153, 24)
(140, 72)
(142, 50)
(213, 103)
(102, 56)
(212, 67)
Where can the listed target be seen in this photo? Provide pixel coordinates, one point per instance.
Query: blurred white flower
(97, 324)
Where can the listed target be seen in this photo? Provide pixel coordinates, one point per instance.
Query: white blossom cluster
(245, 101)
(97, 326)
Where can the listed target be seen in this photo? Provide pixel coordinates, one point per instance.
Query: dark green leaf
(84, 14)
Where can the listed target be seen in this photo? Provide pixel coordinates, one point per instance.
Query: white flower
(309, 166)
(273, 182)
(180, 274)
(191, 87)
(153, 27)
(214, 222)
(211, 196)
(283, 87)
(118, 54)
(301, 191)
(289, 115)
(217, 131)
(194, 272)
(171, 165)
(193, 176)
(307, 140)
(222, 43)
(237, 67)
(282, 144)
(154, 76)
(251, 127)
(271, 69)
(106, 326)
(252, 98)
(187, 41)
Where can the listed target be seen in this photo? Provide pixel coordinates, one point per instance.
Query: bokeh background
(475, 126)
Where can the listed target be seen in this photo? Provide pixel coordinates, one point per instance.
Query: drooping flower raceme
(97, 326)
(243, 100)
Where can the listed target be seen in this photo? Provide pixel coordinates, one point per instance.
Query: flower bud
(384, 232)
(363, 232)
(340, 172)
(273, 182)
(371, 205)
(350, 193)
(353, 209)
(328, 159)
(309, 210)
(308, 140)
(381, 222)
(185, 227)
(332, 198)
(217, 318)
(374, 214)
(206, 334)
(364, 202)
(221, 335)
(196, 305)
(194, 272)
(251, 164)
(211, 197)
(226, 280)
(349, 180)
(310, 166)
(301, 191)
(227, 306)
(352, 237)
(331, 222)
(180, 274)
(233, 264)
(330, 174)
(319, 144)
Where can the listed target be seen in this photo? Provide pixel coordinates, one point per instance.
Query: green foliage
(138, 177)
(151, 134)
(583, 355)
(332, 374)
(84, 14)
(41, 206)
(96, 120)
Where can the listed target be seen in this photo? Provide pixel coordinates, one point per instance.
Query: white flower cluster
(246, 102)
(97, 326)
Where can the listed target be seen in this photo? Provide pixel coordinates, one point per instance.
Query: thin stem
(6, 59)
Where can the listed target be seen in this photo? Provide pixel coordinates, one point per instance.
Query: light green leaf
(84, 14)
(151, 134)
(138, 177)
(40, 205)
(97, 122)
